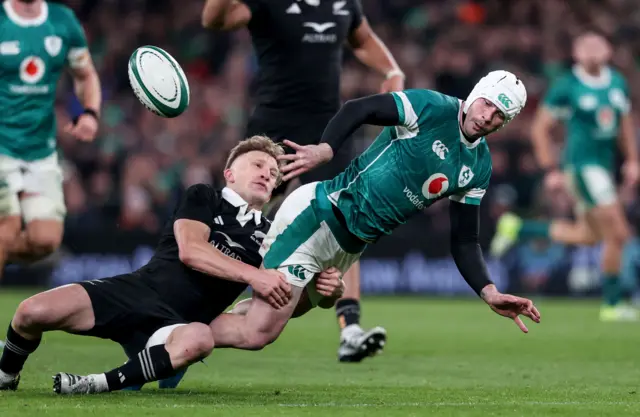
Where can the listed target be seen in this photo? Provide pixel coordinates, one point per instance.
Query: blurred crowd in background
(130, 177)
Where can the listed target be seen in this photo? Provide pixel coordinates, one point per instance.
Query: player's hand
(329, 283)
(510, 306)
(395, 83)
(305, 159)
(272, 286)
(631, 173)
(85, 128)
(554, 181)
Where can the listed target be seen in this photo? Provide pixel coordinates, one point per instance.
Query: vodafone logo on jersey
(32, 69)
(435, 186)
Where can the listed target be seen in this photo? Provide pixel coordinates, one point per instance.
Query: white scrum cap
(504, 90)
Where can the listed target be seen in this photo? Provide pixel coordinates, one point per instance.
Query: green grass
(443, 358)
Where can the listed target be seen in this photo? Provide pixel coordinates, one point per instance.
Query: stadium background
(120, 189)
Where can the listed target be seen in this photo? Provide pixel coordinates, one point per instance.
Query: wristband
(395, 72)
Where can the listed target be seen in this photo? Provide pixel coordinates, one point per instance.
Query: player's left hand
(395, 83)
(329, 283)
(631, 173)
(305, 159)
(85, 128)
(510, 306)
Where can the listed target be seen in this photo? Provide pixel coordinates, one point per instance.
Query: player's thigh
(611, 222)
(66, 308)
(42, 195)
(263, 319)
(306, 238)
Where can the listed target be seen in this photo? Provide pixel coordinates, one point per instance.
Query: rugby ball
(158, 81)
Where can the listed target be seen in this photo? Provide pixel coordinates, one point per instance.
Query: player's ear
(228, 176)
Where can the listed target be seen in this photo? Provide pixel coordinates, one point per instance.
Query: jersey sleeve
(624, 101)
(357, 15)
(473, 196)
(420, 107)
(197, 204)
(557, 98)
(78, 55)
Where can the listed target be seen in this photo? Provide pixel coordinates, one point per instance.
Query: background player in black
(206, 257)
(299, 45)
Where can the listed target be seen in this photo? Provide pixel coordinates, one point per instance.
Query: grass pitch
(443, 358)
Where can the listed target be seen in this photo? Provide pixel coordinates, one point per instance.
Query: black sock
(149, 365)
(348, 312)
(16, 351)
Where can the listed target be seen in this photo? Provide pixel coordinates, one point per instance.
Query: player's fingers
(288, 157)
(295, 174)
(535, 311)
(293, 165)
(278, 297)
(273, 303)
(292, 144)
(520, 324)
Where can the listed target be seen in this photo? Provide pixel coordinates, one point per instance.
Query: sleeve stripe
(408, 116)
(472, 196)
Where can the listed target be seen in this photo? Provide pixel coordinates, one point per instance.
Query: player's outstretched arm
(467, 254)
(195, 251)
(225, 15)
(543, 149)
(371, 51)
(378, 110)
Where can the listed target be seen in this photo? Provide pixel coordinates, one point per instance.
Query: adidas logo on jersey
(440, 149)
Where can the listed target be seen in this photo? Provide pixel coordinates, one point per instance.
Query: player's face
(591, 51)
(253, 175)
(483, 117)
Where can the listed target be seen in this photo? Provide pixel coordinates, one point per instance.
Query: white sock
(6, 377)
(351, 329)
(101, 382)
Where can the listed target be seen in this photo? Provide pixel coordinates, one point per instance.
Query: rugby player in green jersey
(39, 40)
(592, 99)
(432, 147)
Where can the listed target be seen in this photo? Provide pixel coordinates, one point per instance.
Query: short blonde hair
(256, 143)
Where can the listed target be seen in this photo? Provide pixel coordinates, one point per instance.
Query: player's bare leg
(258, 327)
(185, 344)
(42, 235)
(612, 225)
(65, 308)
(355, 343)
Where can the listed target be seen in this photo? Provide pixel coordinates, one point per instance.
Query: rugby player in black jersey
(207, 256)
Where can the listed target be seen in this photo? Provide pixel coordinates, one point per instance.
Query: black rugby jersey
(299, 46)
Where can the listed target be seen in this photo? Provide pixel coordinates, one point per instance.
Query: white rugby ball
(158, 81)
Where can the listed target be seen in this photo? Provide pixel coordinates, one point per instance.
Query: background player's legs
(185, 344)
(66, 308)
(40, 239)
(9, 231)
(612, 224)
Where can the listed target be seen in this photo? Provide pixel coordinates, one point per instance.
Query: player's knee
(588, 237)
(43, 241)
(31, 313)
(197, 341)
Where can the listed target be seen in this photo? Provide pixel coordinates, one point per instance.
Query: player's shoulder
(432, 97)
(617, 77)
(204, 192)
(57, 10)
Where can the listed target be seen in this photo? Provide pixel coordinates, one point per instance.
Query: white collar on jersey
(25, 21)
(243, 217)
(464, 140)
(594, 81)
